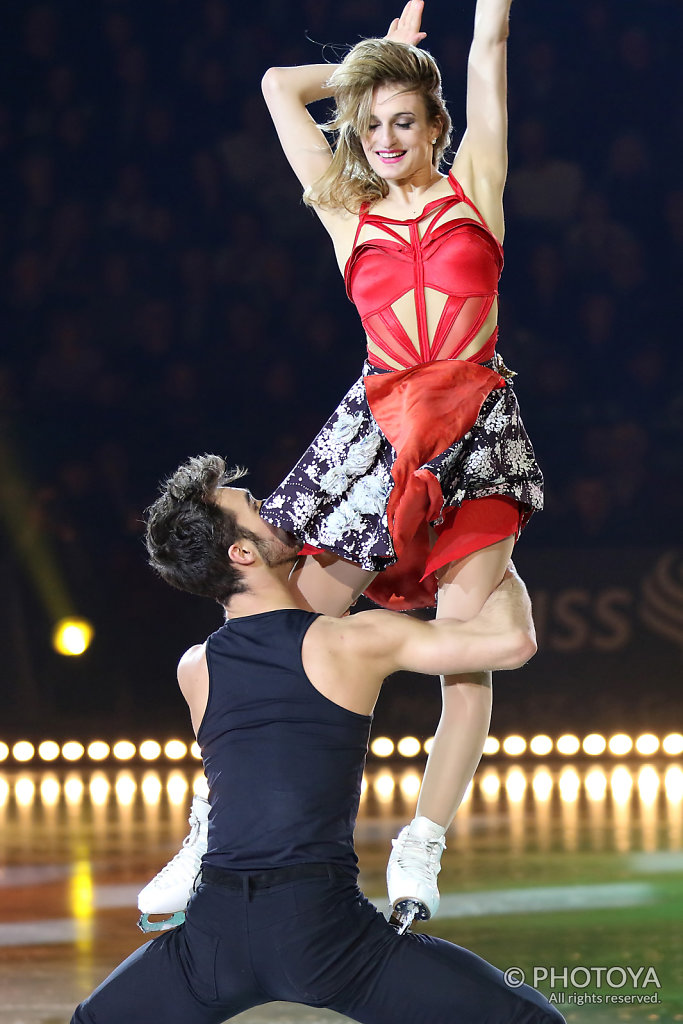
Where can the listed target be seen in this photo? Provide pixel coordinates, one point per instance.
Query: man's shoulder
(365, 630)
(192, 662)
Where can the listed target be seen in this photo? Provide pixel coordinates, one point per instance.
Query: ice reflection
(623, 808)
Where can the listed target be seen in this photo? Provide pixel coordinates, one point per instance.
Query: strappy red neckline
(449, 257)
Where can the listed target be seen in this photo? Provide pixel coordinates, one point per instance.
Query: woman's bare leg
(464, 587)
(414, 863)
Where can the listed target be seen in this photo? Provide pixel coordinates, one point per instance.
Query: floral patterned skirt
(400, 452)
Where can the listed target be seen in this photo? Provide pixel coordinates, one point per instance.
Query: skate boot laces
(420, 858)
(188, 858)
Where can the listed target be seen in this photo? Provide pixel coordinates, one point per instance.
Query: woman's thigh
(465, 585)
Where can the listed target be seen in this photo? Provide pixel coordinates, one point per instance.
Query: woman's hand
(406, 29)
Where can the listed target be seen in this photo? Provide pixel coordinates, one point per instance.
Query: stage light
(596, 784)
(151, 788)
(569, 785)
(149, 750)
(410, 785)
(491, 745)
(568, 744)
(382, 746)
(673, 784)
(620, 744)
(73, 790)
(73, 751)
(542, 784)
(490, 786)
(648, 784)
(671, 744)
(384, 787)
(200, 787)
(196, 751)
(647, 744)
(23, 751)
(514, 745)
(49, 791)
(622, 784)
(428, 744)
(72, 637)
(24, 791)
(124, 750)
(175, 750)
(4, 751)
(177, 787)
(541, 745)
(125, 787)
(594, 744)
(409, 746)
(515, 785)
(98, 750)
(48, 750)
(100, 788)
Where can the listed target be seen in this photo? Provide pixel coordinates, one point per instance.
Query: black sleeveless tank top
(284, 763)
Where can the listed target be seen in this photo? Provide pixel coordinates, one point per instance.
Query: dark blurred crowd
(164, 291)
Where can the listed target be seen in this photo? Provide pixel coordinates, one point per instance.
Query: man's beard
(275, 553)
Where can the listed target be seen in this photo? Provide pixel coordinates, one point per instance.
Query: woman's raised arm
(482, 156)
(287, 92)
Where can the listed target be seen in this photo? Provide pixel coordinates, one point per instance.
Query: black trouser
(257, 939)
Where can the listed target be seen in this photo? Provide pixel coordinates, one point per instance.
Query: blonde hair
(349, 181)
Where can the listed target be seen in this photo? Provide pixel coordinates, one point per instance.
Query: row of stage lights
(513, 784)
(619, 745)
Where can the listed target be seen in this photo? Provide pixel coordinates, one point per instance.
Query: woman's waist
(491, 360)
(389, 358)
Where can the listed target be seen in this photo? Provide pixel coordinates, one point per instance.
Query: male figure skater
(281, 702)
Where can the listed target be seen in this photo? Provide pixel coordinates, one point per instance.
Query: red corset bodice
(461, 258)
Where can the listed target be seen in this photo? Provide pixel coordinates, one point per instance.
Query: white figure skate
(169, 892)
(412, 871)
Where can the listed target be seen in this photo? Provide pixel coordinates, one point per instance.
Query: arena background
(164, 293)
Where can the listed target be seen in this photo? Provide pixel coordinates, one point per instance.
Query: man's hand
(406, 29)
(508, 606)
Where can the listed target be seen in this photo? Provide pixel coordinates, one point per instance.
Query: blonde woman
(425, 466)
(417, 487)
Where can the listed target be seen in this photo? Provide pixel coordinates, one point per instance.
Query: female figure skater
(425, 464)
(424, 474)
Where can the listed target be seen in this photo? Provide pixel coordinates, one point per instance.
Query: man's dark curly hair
(188, 535)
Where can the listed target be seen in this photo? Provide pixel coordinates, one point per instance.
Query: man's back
(284, 763)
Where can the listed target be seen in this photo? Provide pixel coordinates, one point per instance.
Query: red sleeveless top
(460, 257)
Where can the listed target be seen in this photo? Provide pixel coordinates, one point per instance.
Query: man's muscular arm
(502, 636)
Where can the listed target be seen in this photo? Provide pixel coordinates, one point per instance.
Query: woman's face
(398, 143)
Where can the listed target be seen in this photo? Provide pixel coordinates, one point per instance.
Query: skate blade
(405, 912)
(145, 924)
